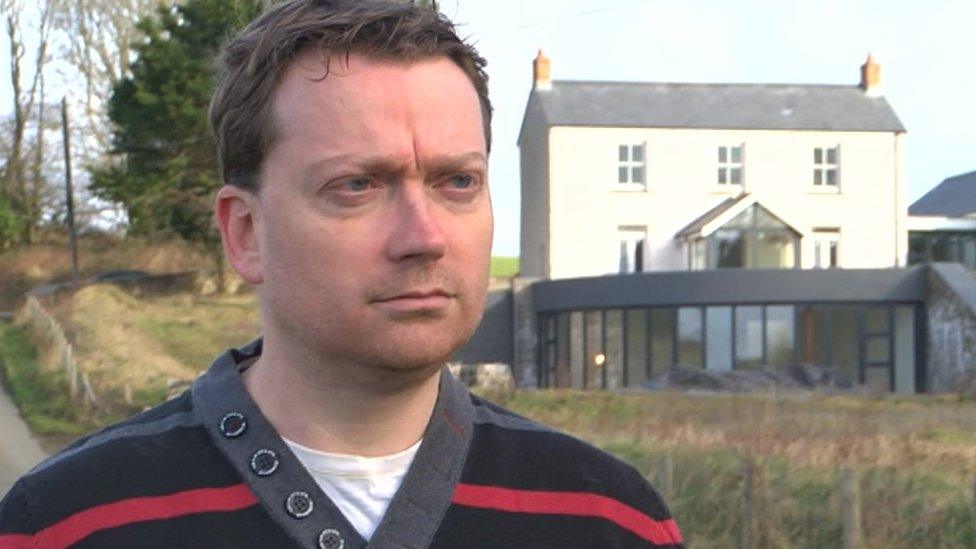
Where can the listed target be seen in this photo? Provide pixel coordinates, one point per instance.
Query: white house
(636, 176)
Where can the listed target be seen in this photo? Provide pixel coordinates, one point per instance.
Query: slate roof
(731, 106)
(954, 197)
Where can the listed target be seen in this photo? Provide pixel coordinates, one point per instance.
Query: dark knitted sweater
(208, 470)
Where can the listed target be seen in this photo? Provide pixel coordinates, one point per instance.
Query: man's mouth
(416, 300)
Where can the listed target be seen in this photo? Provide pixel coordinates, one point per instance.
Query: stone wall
(951, 316)
(492, 341)
(526, 333)
(493, 376)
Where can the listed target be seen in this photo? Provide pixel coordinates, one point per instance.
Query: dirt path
(19, 451)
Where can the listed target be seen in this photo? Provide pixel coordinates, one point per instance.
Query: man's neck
(327, 407)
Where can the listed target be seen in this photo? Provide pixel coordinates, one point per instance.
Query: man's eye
(461, 181)
(356, 184)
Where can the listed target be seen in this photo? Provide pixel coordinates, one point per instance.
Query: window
(825, 245)
(689, 337)
(718, 339)
(825, 166)
(958, 246)
(754, 239)
(748, 336)
(696, 255)
(631, 249)
(874, 345)
(730, 165)
(630, 164)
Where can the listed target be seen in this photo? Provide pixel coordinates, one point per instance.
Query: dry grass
(24, 268)
(916, 456)
(812, 430)
(148, 343)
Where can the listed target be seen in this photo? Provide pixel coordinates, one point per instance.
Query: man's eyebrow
(395, 164)
(449, 163)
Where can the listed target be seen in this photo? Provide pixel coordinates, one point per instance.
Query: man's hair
(252, 63)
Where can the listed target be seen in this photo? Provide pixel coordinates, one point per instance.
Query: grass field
(916, 454)
(915, 457)
(504, 267)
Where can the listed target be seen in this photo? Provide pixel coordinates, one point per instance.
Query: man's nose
(416, 233)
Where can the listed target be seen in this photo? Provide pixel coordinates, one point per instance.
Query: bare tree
(100, 35)
(15, 183)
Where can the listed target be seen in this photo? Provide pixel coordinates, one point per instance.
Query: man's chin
(410, 360)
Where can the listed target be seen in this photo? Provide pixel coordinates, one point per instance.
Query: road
(19, 451)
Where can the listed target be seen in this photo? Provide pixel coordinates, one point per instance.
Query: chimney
(540, 71)
(871, 77)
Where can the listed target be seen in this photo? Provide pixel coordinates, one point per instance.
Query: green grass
(504, 267)
(149, 396)
(41, 396)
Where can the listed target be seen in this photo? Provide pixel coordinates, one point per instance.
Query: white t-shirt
(361, 487)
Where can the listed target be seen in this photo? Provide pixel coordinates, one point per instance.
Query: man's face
(375, 220)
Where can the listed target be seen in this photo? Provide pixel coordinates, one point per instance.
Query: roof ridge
(707, 84)
(957, 176)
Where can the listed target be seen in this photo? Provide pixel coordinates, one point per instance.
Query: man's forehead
(368, 99)
(313, 69)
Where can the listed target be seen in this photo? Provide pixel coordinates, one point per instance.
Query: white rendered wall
(586, 211)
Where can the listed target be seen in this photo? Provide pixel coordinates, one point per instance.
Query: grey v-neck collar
(416, 510)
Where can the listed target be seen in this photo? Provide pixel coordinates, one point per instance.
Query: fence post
(748, 501)
(974, 512)
(664, 477)
(851, 508)
(90, 399)
(72, 379)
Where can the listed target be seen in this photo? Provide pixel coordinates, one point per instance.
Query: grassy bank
(40, 395)
(27, 267)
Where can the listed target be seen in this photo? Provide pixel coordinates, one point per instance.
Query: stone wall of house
(492, 376)
(951, 317)
(526, 333)
(493, 340)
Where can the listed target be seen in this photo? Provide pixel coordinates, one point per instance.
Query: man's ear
(238, 216)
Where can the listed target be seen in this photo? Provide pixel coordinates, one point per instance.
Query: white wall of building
(586, 209)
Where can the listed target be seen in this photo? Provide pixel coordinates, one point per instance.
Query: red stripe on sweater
(659, 532)
(112, 515)
(14, 541)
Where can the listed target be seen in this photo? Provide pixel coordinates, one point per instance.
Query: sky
(926, 51)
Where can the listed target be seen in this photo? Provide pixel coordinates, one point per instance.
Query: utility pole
(68, 189)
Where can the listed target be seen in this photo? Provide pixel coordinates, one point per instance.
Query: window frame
(632, 236)
(629, 164)
(829, 239)
(726, 167)
(823, 167)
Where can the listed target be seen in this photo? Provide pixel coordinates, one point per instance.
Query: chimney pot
(541, 72)
(871, 77)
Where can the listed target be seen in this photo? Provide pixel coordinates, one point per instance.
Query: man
(353, 137)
